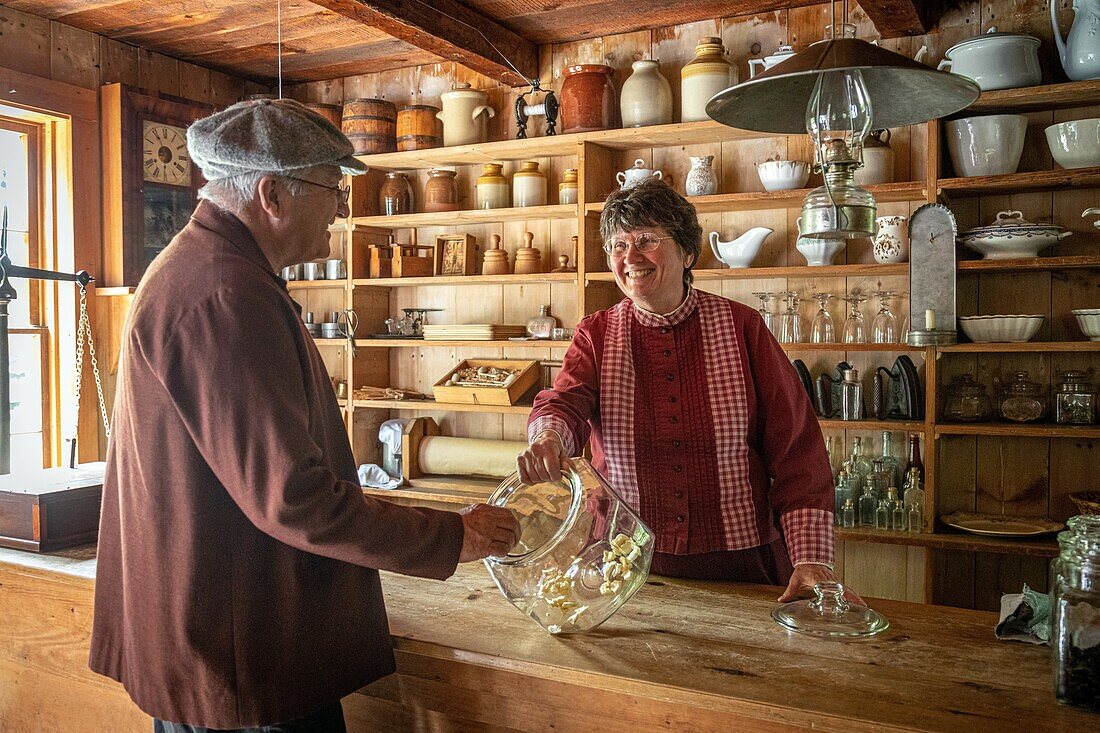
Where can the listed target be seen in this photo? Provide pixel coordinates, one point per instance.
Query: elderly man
(237, 582)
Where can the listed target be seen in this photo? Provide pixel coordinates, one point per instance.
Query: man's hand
(487, 530)
(807, 576)
(542, 461)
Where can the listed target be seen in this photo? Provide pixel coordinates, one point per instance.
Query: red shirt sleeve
(567, 407)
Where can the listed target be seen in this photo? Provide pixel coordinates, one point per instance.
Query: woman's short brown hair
(654, 203)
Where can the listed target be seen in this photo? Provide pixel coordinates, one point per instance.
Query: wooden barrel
(418, 128)
(331, 112)
(371, 125)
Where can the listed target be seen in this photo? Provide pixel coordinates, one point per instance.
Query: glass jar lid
(544, 511)
(1022, 386)
(965, 386)
(1075, 382)
(830, 615)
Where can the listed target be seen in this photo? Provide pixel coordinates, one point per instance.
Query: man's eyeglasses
(644, 242)
(344, 191)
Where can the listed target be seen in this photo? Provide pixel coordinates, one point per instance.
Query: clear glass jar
(967, 401)
(1075, 641)
(582, 552)
(542, 325)
(1075, 399)
(1023, 399)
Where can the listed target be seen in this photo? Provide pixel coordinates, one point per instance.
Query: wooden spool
(418, 128)
(371, 125)
(331, 112)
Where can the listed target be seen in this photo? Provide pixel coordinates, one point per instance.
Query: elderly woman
(694, 413)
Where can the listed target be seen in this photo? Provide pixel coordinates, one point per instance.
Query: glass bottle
(1075, 399)
(913, 497)
(829, 452)
(914, 456)
(882, 515)
(897, 511)
(840, 495)
(1060, 566)
(890, 462)
(879, 478)
(860, 464)
(868, 503)
(1022, 400)
(1076, 639)
(851, 396)
(849, 514)
(542, 325)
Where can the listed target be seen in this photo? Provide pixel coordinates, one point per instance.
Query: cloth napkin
(389, 433)
(1025, 617)
(372, 475)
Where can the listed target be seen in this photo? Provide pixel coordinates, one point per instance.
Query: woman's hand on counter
(810, 574)
(543, 459)
(487, 530)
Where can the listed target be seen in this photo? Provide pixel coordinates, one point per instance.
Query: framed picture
(455, 254)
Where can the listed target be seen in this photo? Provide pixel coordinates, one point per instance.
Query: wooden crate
(527, 377)
(51, 509)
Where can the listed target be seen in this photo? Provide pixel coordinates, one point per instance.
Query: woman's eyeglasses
(644, 242)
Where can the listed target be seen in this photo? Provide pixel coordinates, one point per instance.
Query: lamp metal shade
(902, 91)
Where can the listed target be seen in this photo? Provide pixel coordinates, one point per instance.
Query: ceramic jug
(529, 185)
(706, 75)
(701, 180)
(588, 99)
(741, 251)
(633, 176)
(465, 115)
(891, 244)
(878, 160)
(1080, 53)
(646, 98)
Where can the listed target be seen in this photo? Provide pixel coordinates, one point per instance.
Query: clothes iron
(896, 393)
(806, 379)
(828, 391)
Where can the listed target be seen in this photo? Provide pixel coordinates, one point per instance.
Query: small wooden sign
(455, 254)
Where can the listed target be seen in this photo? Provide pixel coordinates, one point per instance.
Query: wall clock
(149, 181)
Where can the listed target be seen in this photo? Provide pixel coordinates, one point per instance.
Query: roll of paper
(445, 456)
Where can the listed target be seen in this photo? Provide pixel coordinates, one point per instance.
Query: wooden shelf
(683, 133)
(474, 216)
(1073, 262)
(422, 343)
(115, 291)
(1019, 182)
(1047, 97)
(892, 425)
(1087, 432)
(1065, 347)
(317, 284)
(762, 273)
(445, 489)
(433, 406)
(409, 282)
(850, 347)
(951, 541)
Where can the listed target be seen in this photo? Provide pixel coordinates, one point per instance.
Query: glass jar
(1022, 400)
(395, 196)
(542, 325)
(1075, 399)
(582, 552)
(1075, 641)
(967, 401)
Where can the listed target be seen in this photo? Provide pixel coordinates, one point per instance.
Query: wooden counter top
(682, 655)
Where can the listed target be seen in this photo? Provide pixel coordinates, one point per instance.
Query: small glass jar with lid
(582, 551)
(1075, 399)
(1075, 641)
(967, 401)
(1022, 399)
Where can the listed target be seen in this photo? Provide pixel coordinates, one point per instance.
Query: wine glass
(790, 322)
(821, 331)
(884, 329)
(855, 328)
(766, 312)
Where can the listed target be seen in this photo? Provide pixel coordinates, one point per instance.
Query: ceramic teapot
(741, 251)
(1080, 53)
(784, 53)
(633, 176)
(465, 115)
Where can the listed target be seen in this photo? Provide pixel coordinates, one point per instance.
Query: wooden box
(455, 254)
(527, 377)
(51, 509)
(407, 261)
(381, 264)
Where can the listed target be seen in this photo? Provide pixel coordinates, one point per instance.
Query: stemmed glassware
(855, 328)
(884, 329)
(790, 322)
(821, 331)
(765, 311)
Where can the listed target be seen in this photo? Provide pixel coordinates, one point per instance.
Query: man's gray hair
(234, 193)
(654, 203)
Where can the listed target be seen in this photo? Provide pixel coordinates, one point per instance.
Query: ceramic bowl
(990, 145)
(783, 175)
(996, 60)
(1089, 321)
(819, 252)
(1012, 237)
(999, 329)
(1075, 144)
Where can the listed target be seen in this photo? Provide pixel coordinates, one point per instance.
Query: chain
(85, 327)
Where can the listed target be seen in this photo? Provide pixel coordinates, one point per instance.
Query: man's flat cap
(269, 135)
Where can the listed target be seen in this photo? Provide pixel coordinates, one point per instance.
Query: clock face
(164, 157)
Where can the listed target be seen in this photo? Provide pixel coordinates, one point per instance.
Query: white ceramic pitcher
(1080, 53)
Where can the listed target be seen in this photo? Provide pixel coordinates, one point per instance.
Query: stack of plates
(472, 332)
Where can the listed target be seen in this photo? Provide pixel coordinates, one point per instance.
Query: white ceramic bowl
(990, 145)
(819, 252)
(996, 60)
(1089, 321)
(1000, 329)
(783, 175)
(1075, 144)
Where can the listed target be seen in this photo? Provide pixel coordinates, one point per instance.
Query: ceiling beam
(896, 18)
(426, 26)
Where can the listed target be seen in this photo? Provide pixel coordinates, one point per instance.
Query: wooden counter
(681, 656)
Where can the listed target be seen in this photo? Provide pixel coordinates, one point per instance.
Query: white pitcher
(740, 252)
(1080, 53)
(891, 244)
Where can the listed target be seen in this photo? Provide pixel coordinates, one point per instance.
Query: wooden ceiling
(327, 39)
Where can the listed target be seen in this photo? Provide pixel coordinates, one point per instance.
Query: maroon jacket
(237, 579)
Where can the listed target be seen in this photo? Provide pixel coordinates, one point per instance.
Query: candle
(929, 319)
